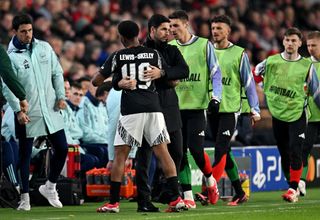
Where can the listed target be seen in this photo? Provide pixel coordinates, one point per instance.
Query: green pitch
(262, 205)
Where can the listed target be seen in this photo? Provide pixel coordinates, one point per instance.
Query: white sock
(25, 197)
(210, 181)
(50, 185)
(188, 195)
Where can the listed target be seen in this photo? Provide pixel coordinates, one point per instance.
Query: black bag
(69, 190)
(9, 196)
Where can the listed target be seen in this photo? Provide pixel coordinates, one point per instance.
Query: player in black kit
(141, 114)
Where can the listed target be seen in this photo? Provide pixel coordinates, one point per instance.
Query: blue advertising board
(266, 173)
(263, 167)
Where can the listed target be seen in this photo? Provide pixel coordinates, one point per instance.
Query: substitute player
(287, 76)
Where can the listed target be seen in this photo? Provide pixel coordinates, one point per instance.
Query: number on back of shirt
(137, 73)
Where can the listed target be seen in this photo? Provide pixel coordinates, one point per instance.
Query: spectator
(73, 130)
(6, 28)
(93, 120)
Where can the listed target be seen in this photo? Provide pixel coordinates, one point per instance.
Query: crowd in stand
(83, 33)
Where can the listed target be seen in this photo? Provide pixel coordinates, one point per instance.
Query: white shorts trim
(132, 128)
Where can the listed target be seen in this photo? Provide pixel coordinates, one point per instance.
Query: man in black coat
(174, 70)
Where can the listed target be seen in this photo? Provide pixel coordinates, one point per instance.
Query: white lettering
(145, 56)
(126, 57)
(278, 178)
(271, 168)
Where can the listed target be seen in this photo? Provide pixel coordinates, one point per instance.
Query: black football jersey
(132, 62)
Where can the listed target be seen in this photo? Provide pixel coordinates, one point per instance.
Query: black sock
(294, 185)
(186, 187)
(115, 192)
(173, 185)
(237, 187)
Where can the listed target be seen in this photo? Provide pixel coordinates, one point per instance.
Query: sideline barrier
(263, 169)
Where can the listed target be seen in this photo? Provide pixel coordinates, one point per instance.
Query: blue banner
(266, 173)
(263, 168)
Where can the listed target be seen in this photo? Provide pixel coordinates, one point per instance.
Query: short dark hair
(84, 78)
(179, 14)
(156, 20)
(313, 34)
(21, 19)
(293, 31)
(128, 29)
(76, 85)
(221, 19)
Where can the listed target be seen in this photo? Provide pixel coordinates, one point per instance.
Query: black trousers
(143, 159)
(193, 128)
(222, 126)
(312, 132)
(289, 137)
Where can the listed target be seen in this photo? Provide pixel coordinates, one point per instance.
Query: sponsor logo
(193, 77)
(26, 64)
(226, 133)
(259, 177)
(226, 81)
(282, 91)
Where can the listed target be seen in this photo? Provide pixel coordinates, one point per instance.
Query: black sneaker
(202, 199)
(147, 207)
(238, 199)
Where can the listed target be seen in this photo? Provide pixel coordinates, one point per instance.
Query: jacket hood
(17, 47)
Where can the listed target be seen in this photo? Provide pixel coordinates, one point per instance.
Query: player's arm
(155, 71)
(105, 71)
(313, 85)
(215, 72)
(118, 82)
(216, 79)
(115, 81)
(249, 86)
(260, 69)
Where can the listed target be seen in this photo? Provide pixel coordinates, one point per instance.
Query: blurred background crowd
(83, 33)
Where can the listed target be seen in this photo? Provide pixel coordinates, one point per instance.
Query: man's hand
(97, 79)
(127, 83)
(213, 107)
(173, 83)
(109, 165)
(61, 104)
(24, 106)
(152, 73)
(255, 117)
(128, 164)
(23, 118)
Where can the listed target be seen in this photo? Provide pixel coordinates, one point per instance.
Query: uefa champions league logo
(259, 177)
(268, 170)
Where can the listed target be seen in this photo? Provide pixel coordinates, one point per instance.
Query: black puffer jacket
(175, 68)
